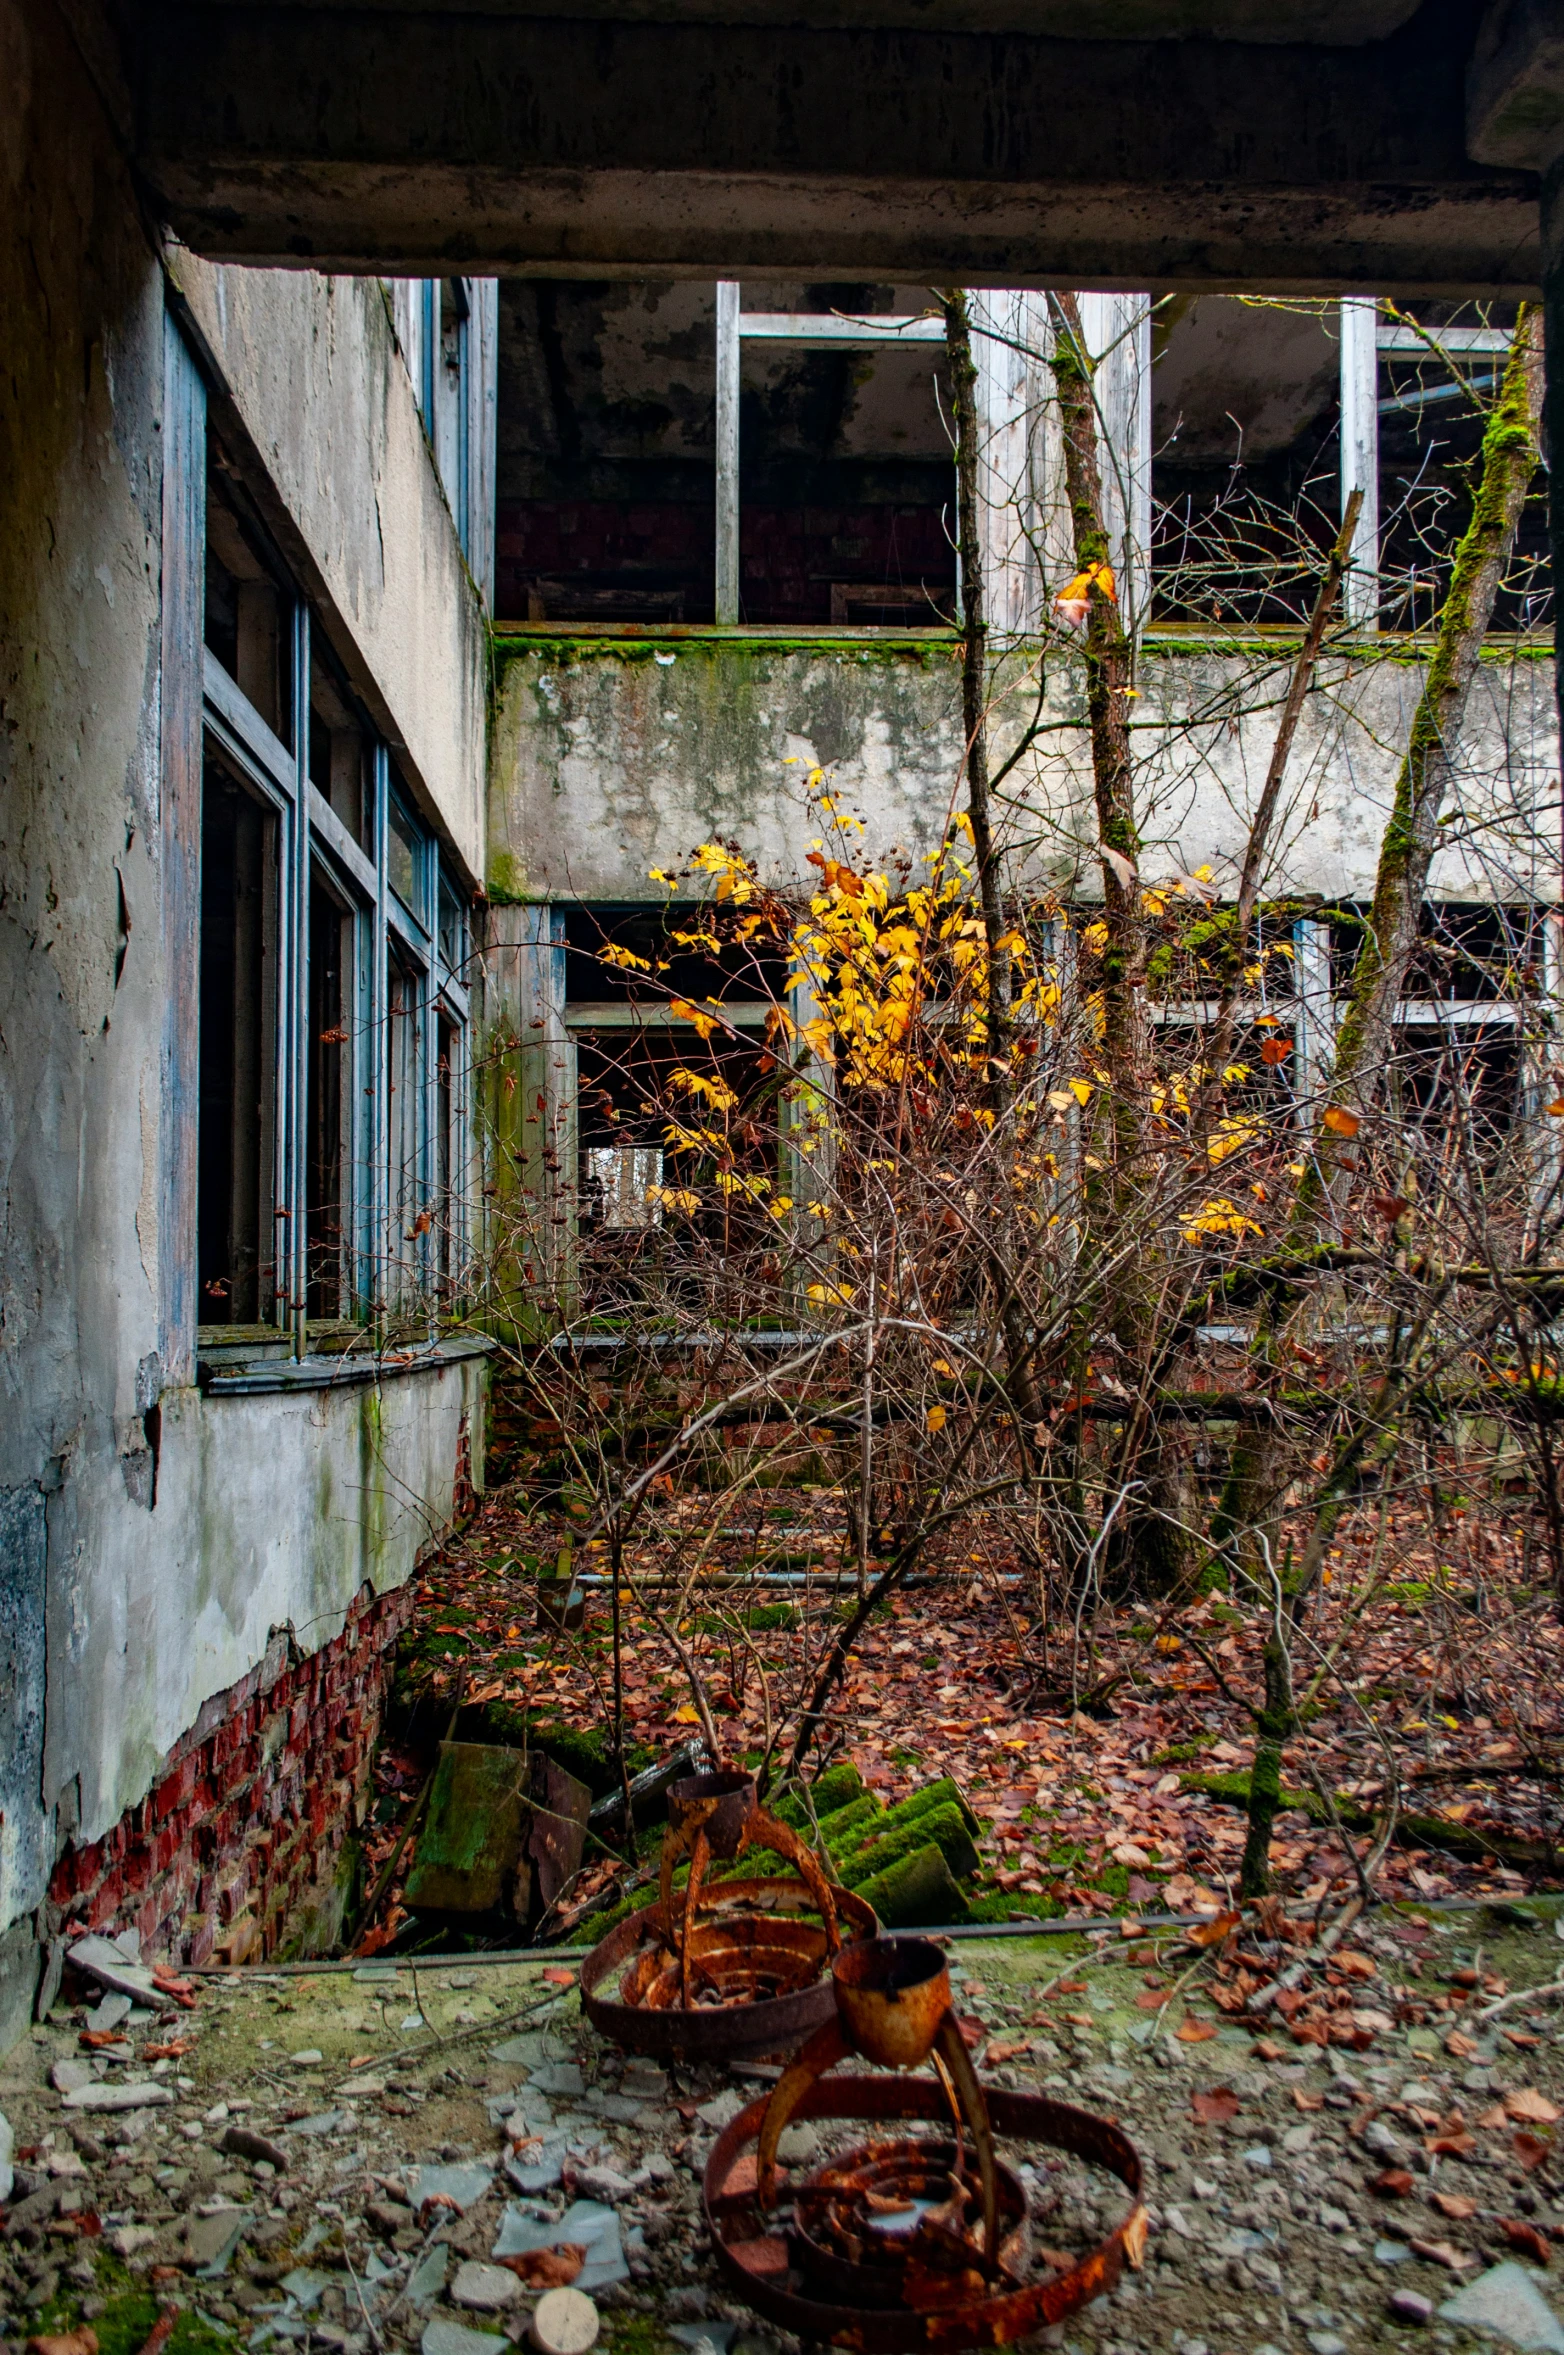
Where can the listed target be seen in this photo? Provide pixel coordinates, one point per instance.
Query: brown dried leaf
(548, 2269)
(1212, 1933)
(1530, 2150)
(1393, 2183)
(1526, 2238)
(1530, 2108)
(1453, 2204)
(1217, 2108)
(1442, 2253)
(1192, 2031)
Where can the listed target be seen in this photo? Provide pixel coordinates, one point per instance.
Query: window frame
(316, 848)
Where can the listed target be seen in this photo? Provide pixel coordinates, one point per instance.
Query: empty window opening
(236, 1246)
(249, 605)
(607, 461)
(339, 754)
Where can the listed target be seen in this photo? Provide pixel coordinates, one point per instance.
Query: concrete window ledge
(337, 1371)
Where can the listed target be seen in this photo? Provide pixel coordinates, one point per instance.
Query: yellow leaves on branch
(1231, 1137)
(831, 1294)
(1219, 1216)
(1074, 601)
(675, 1198)
(935, 1419)
(716, 1092)
(1341, 1122)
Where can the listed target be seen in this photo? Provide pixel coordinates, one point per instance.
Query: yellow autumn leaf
(1081, 1090)
(935, 1418)
(685, 1715)
(1342, 1123)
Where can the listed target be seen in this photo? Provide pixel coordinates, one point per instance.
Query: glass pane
(328, 1209)
(338, 753)
(235, 1243)
(404, 857)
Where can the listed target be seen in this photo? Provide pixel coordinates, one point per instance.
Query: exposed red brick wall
(252, 1805)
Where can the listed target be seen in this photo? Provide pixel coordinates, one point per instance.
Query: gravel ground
(326, 2166)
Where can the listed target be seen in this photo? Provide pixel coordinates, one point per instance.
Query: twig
(1542, 1994)
(1263, 1997)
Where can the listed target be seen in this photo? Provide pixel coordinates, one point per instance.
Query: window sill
(267, 1369)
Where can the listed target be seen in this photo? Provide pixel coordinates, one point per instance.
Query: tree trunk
(1511, 453)
(1276, 1726)
(1509, 463)
(974, 671)
(1149, 1552)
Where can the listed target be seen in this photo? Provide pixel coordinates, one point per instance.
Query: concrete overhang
(1301, 145)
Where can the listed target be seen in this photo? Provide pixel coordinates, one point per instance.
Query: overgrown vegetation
(1016, 1208)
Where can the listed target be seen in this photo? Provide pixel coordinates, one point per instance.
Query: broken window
(608, 461)
(322, 1132)
(236, 1252)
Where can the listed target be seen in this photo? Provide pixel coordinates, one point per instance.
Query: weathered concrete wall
(270, 1512)
(322, 393)
(81, 968)
(612, 755)
(150, 1539)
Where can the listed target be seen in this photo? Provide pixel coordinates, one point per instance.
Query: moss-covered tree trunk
(1276, 1725)
(1510, 457)
(1149, 1551)
(974, 668)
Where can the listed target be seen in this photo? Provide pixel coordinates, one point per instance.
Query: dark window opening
(339, 757)
(236, 1248)
(1465, 953)
(410, 1220)
(447, 1209)
(606, 461)
(1246, 471)
(668, 967)
(329, 1163)
(249, 604)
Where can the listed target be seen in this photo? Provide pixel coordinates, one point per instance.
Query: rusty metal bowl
(754, 1939)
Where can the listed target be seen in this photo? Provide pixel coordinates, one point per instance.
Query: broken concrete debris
(1302, 2255)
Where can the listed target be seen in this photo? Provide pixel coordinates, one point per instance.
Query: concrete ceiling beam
(410, 139)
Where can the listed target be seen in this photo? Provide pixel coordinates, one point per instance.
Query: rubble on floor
(399, 2157)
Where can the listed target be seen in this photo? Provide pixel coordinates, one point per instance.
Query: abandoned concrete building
(368, 633)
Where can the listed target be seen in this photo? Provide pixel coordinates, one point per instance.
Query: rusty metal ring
(728, 2198)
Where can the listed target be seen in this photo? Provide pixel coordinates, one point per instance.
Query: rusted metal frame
(992, 2321)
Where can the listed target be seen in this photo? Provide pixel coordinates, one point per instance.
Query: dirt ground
(1295, 2190)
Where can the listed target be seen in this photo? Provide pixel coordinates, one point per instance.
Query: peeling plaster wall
(609, 757)
(271, 1512)
(328, 408)
(149, 1542)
